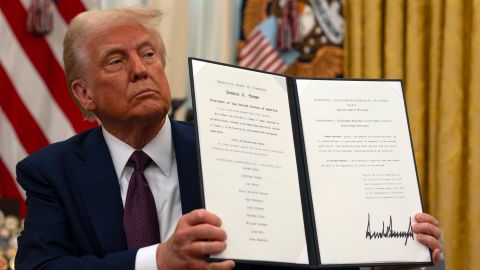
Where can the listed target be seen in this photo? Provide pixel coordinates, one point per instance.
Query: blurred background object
(10, 227)
(305, 38)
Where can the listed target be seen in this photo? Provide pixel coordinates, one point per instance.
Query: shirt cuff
(146, 258)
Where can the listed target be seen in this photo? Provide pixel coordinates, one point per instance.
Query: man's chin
(151, 114)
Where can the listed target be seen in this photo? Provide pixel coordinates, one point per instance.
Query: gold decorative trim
(253, 14)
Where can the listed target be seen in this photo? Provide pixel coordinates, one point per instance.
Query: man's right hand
(197, 234)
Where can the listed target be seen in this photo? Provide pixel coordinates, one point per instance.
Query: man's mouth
(144, 92)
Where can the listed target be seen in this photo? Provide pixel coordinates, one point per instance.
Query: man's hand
(198, 234)
(428, 233)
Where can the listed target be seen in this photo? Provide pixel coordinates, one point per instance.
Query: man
(104, 199)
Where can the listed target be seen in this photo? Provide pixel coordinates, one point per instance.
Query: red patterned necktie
(140, 220)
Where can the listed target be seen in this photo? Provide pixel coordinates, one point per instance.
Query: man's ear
(81, 93)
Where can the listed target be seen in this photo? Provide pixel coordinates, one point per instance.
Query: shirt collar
(159, 149)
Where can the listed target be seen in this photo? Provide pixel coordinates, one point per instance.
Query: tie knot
(139, 160)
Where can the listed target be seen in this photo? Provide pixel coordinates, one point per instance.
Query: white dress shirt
(162, 177)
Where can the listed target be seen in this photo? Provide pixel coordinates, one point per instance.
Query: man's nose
(138, 70)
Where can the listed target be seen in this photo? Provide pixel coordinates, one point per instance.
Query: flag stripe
(269, 60)
(272, 63)
(35, 106)
(31, 89)
(251, 51)
(260, 54)
(247, 61)
(22, 121)
(8, 189)
(54, 38)
(45, 63)
(279, 67)
(268, 51)
(253, 39)
(11, 150)
(69, 9)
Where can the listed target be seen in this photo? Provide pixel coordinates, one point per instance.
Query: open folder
(307, 172)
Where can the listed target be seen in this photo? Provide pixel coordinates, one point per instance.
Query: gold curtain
(434, 47)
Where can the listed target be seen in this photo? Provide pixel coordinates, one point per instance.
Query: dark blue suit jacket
(75, 212)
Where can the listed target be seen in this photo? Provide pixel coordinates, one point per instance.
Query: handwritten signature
(389, 232)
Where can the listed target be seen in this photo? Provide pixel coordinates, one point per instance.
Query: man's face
(124, 76)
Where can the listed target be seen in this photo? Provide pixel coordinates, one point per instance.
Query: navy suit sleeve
(46, 242)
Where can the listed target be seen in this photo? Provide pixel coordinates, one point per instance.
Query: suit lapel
(184, 143)
(100, 191)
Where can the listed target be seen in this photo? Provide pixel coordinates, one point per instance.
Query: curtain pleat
(433, 47)
(472, 161)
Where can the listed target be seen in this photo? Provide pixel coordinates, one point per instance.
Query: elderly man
(113, 197)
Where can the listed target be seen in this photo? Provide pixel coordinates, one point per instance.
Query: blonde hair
(87, 24)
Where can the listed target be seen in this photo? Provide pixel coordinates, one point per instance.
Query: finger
(205, 232)
(225, 265)
(175, 258)
(202, 248)
(202, 216)
(427, 228)
(426, 218)
(437, 256)
(429, 241)
(184, 235)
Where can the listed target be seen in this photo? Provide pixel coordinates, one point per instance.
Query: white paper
(361, 171)
(248, 162)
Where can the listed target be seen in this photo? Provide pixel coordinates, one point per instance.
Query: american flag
(35, 106)
(259, 53)
(260, 50)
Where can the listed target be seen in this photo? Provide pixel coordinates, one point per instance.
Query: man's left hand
(428, 233)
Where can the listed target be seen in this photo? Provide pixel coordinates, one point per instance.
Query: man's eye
(114, 62)
(149, 54)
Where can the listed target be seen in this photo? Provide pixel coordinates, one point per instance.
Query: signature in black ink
(389, 232)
